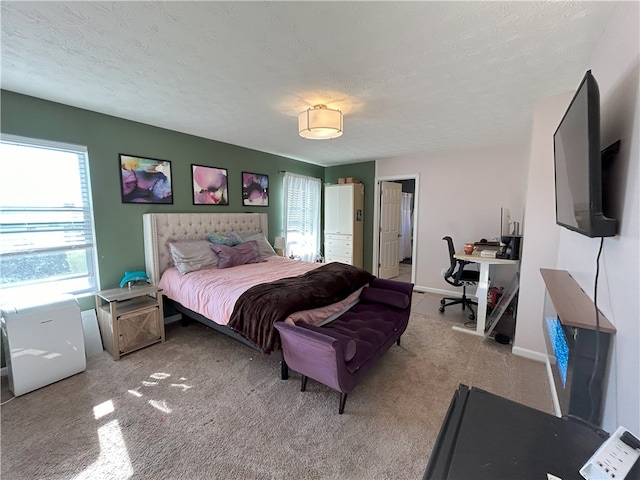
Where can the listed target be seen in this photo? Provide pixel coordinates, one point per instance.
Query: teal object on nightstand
(134, 277)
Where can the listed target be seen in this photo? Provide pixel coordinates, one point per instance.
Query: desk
(483, 288)
(488, 437)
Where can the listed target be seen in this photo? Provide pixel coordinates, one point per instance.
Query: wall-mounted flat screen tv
(578, 165)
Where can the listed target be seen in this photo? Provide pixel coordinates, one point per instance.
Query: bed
(215, 296)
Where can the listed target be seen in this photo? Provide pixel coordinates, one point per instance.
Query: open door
(390, 198)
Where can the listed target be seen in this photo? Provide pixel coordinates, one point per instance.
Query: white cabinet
(343, 219)
(43, 341)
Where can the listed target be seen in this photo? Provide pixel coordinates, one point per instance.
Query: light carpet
(202, 406)
(422, 308)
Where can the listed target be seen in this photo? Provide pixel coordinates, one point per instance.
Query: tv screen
(578, 165)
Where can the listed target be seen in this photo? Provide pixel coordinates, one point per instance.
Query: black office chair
(459, 278)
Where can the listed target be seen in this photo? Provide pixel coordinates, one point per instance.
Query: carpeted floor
(202, 406)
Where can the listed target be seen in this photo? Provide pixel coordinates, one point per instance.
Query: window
(46, 219)
(302, 216)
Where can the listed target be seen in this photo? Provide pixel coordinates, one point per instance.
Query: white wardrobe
(343, 219)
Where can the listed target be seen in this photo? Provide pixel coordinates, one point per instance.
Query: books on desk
(482, 246)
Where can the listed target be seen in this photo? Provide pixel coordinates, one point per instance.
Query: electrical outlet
(613, 460)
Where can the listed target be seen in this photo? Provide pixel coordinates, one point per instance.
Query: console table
(579, 368)
(574, 307)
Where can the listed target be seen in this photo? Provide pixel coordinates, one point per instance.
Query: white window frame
(76, 222)
(302, 202)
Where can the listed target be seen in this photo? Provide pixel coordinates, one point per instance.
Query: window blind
(46, 216)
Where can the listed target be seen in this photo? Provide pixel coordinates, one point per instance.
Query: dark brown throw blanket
(261, 306)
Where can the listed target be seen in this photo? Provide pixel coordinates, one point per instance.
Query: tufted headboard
(160, 228)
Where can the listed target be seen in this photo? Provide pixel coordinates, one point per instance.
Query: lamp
(279, 245)
(320, 123)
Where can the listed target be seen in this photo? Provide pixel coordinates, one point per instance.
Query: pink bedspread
(213, 292)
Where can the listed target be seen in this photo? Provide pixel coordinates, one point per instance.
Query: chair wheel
(472, 316)
(442, 301)
(441, 309)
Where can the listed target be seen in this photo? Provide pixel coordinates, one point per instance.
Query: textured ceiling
(410, 77)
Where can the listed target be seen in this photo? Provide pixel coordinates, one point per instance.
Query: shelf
(133, 305)
(573, 305)
(120, 294)
(503, 304)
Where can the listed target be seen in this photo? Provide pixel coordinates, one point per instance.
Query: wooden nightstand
(130, 318)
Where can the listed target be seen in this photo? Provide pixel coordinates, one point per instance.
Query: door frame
(375, 261)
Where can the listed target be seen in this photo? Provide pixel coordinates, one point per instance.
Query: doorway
(395, 227)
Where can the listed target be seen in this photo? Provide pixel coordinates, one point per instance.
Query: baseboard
(530, 354)
(91, 333)
(4, 372)
(439, 291)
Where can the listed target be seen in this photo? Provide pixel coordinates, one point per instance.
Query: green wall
(118, 226)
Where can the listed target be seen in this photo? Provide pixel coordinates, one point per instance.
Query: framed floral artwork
(255, 189)
(145, 180)
(209, 185)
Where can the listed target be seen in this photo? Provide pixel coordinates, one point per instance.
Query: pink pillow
(242, 254)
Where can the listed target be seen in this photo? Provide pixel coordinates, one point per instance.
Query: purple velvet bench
(340, 353)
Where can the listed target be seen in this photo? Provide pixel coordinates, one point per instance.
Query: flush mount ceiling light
(320, 123)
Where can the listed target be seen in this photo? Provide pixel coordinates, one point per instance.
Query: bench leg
(303, 384)
(343, 400)
(398, 342)
(284, 370)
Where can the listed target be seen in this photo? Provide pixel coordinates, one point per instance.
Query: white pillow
(264, 247)
(189, 256)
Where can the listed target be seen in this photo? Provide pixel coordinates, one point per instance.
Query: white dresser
(343, 219)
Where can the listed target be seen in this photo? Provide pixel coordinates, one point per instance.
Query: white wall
(614, 64)
(541, 234)
(460, 195)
